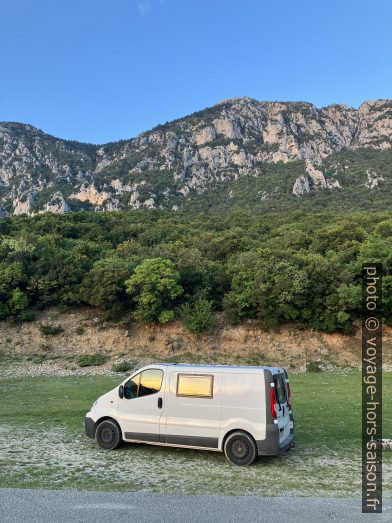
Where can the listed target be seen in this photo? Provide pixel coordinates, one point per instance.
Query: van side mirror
(121, 391)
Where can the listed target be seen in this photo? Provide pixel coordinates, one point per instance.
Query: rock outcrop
(314, 179)
(373, 180)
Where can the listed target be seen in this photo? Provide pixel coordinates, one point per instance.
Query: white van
(242, 411)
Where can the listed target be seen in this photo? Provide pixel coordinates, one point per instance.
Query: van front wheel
(108, 435)
(240, 449)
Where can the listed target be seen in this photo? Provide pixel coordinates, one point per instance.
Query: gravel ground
(52, 368)
(64, 506)
(42, 457)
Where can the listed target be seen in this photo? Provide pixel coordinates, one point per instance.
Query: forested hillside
(362, 178)
(156, 266)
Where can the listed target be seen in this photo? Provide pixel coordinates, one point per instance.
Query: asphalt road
(17, 505)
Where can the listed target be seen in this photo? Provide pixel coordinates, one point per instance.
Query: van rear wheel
(240, 449)
(108, 435)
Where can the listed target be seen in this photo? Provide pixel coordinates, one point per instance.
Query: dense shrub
(91, 360)
(198, 316)
(51, 329)
(313, 366)
(122, 366)
(24, 316)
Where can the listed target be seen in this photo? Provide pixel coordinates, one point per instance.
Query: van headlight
(95, 402)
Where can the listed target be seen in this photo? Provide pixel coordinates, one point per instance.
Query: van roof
(222, 368)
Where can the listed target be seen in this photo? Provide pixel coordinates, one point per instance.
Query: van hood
(106, 399)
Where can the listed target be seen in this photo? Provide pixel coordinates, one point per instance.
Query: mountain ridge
(221, 102)
(177, 162)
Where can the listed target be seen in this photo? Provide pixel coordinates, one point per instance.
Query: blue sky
(101, 70)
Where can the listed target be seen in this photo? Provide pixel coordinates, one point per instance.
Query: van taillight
(273, 402)
(288, 395)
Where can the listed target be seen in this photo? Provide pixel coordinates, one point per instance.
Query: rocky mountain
(240, 150)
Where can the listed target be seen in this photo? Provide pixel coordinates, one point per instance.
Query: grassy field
(43, 444)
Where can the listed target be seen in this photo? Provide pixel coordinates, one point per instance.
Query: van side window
(195, 385)
(131, 387)
(150, 382)
(143, 384)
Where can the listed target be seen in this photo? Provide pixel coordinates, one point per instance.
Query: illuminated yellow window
(150, 382)
(195, 385)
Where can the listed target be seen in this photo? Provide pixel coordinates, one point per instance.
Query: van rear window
(280, 390)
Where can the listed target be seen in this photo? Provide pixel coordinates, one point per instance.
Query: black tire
(108, 435)
(240, 449)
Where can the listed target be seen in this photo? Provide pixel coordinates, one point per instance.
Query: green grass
(45, 402)
(43, 443)
(336, 400)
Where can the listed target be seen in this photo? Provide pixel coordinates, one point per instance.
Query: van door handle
(160, 402)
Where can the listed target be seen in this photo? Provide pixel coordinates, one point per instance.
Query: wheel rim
(239, 449)
(108, 434)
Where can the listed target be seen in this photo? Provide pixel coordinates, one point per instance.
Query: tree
(61, 266)
(154, 288)
(104, 285)
(387, 299)
(333, 297)
(11, 277)
(18, 301)
(339, 237)
(265, 287)
(199, 275)
(384, 229)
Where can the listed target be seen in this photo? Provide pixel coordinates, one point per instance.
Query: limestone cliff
(164, 167)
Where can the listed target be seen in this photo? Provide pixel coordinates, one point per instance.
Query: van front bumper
(89, 425)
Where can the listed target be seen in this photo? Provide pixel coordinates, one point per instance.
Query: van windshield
(280, 390)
